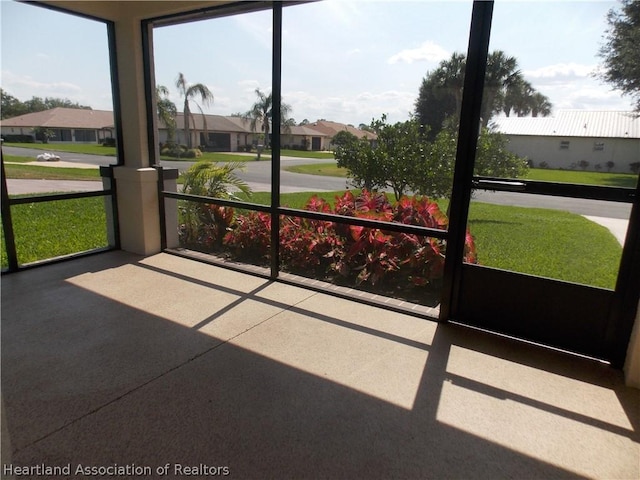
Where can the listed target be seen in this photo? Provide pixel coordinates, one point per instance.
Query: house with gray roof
(575, 139)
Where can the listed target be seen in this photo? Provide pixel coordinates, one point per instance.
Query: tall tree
(440, 95)
(11, 106)
(190, 93)
(502, 72)
(261, 113)
(540, 105)
(167, 111)
(621, 61)
(516, 98)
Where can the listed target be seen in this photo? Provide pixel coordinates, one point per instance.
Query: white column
(136, 182)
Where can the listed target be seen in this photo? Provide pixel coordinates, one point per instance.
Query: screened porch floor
(162, 360)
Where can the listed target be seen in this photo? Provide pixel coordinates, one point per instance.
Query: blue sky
(343, 61)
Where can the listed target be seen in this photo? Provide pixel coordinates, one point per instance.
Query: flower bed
(386, 262)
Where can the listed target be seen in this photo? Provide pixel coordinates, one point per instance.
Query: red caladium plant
(354, 253)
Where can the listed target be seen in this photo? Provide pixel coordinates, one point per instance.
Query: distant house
(216, 132)
(575, 139)
(304, 138)
(330, 129)
(69, 125)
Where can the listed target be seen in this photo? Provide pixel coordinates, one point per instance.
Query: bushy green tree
(620, 50)
(12, 107)
(343, 138)
(440, 94)
(394, 161)
(358, 157)
(404, 160)
(44, 134)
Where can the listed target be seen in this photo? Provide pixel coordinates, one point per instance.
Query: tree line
(12, 107)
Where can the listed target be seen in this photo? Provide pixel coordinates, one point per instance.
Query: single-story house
(575, 139)
(217, 132)
(303, 137)
(331, 128)
(68, 125)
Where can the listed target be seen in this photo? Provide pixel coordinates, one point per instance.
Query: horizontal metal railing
(325, 217)
(556, 189)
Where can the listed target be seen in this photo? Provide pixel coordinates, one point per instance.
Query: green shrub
(350, 254)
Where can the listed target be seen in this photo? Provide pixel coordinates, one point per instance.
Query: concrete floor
(120, 359)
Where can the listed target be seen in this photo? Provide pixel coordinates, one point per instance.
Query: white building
(574, 136)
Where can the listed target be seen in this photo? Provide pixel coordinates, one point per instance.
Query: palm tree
(189, 92)
(450, 77)
(167, 111)
(516, 98)
(502, 73)
(540, 105)
(261, 114)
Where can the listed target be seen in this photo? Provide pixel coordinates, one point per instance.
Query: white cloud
(19, 83)
(355, 109)
(560, 72)
(428, 51)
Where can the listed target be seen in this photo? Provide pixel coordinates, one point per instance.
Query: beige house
(216, 132)
(575, 139)
(69, 125)
(330, 129)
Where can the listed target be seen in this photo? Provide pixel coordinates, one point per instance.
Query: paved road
(258, 176)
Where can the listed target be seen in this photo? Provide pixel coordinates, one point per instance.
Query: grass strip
(627, 180)
(36, 172)
(50, 229)
(88, 148)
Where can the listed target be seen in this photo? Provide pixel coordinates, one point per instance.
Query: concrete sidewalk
(617, 226)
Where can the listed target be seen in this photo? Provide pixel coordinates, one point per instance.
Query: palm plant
(214, 180)
(190, 92)
(204, 224)
(540, 105)
(167, 111)
(502, 73)
(450, 77)
(261, 114)
(516, 98)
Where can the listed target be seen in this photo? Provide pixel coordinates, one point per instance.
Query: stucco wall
(621, 151)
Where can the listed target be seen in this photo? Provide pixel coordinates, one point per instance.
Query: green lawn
(17, 159)
(51, 229)
(38, 172)
(628, 180)
(548, 243)
(88, 148)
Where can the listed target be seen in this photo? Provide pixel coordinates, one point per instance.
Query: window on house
(564, 144)
(85, 135)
